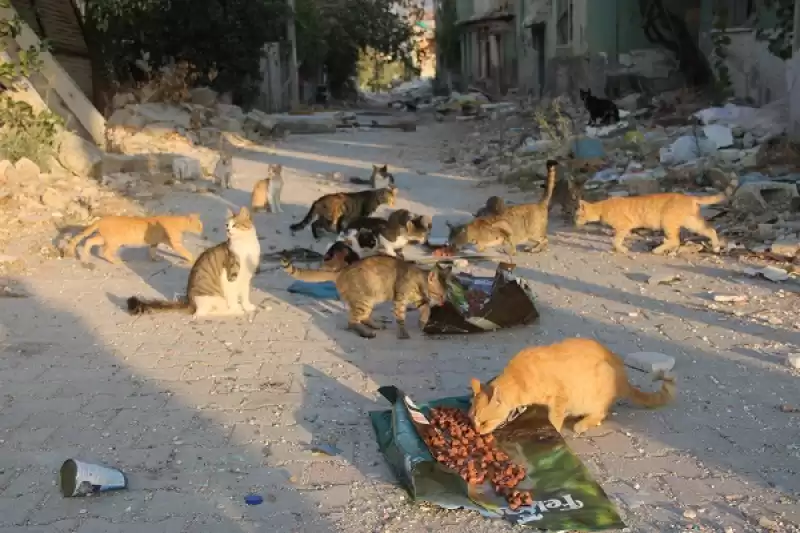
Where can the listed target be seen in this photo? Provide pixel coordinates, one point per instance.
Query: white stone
(650, 361)
(79, 156)
(794, 360)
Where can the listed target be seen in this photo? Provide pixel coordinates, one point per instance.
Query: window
(563, 22)
(740, 13)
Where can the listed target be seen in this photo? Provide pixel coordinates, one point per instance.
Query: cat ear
(385, 168)
(374, 167)
(244, 213)
(476, 386)
(494, 394)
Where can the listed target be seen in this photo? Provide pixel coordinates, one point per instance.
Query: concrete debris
(650, 362)
(769, 272)
(793, 360)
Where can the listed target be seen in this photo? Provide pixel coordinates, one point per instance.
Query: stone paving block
(617, 444)
(691, 490)
(14, 510)
(632, 468)
(61, 526)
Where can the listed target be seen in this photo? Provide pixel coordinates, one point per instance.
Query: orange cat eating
(572, 378)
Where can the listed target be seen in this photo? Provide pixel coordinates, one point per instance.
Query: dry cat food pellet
(454, 443)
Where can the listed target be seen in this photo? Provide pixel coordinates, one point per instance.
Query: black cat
(600, 109)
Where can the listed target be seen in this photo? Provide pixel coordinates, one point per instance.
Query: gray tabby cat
(219, 282)
(223, 171)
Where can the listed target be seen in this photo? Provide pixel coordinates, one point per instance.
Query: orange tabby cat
(665, 211)
(575, 377)
(114, 232)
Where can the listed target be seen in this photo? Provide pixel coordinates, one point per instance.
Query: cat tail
(137, 306)
(308, 274)
(552, 165)
(717, 198)
(303, 223)
(360, 181)
(654, 399)
(72, 245)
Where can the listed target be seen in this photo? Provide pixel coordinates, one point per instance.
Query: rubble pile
(669, 143)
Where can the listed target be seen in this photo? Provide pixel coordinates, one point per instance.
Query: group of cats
(576, 377)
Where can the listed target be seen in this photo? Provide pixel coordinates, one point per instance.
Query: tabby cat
(494, 206)
(515, 225)
(667, 211)
(114, 232)
(377, 279)
(267, 192)
(219, 282)
(335, 212)
(380, 177)
(572, 378)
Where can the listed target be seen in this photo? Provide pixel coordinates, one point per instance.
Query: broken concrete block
(786, 247)
(120, 163)
(316, 123)
(203, 96)
(79, 156)
(793, 360)
(650, 361)
(27, 170)
(757, 197)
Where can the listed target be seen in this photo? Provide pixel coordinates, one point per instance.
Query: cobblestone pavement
(201, 413)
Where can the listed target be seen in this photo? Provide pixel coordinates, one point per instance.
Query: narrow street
(199, 414)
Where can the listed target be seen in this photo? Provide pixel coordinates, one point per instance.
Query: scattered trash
(253, 499)
(786, 408)
(82, 479)
(771, 273)
(721, 136)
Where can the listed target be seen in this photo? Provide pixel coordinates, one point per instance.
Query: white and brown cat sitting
(267, 192)
(572, 378)
(219, 282)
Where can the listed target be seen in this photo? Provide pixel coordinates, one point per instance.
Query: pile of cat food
(444, 251)
(476, 458)
(475, 299)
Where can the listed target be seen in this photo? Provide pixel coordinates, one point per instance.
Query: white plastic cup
(83, 479)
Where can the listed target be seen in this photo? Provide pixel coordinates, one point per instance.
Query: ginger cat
(665, 211)
(377, 279)
(114, 232)
(219, 281)
(575, 377)
(515, 225)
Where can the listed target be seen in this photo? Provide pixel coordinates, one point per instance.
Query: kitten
(494, 206)
(186, 168)
(567, 194)
(394, 233)
(665, 211)
(223, 171)
(515, 225)
(267, 192)
(335, 212)
(378, 279)
(572, 378)
(380, 177)
(600, 110)
(219, 282)
(113, 232)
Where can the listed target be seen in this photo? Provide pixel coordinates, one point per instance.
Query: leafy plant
(553, 122)
(780, 35)
(23, 131)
